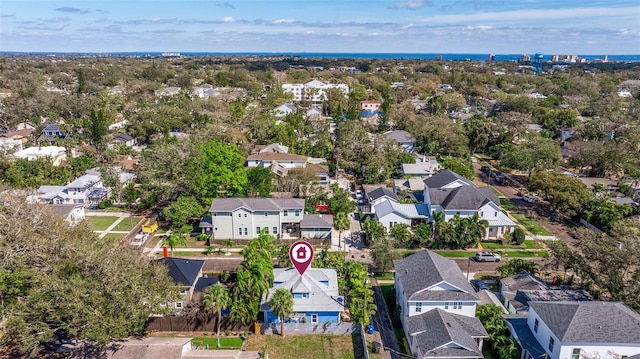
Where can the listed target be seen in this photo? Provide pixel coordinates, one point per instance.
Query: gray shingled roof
(400, 136)
(256, 204)
(317, 221)
(183, 271)
(381, 192)
(461, 198)
(590, 322)
(426, 269)
(445, 177)
(436, 328)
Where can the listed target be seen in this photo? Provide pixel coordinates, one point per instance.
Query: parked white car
(528, 199)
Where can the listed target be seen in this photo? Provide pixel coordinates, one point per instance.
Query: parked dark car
(485, 169)
(478, 285)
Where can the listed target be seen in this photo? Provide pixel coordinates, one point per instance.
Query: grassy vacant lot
(212, 342)
(101, 223)
(532, 226)
(528, 244)
(455, 254)
(305, 346)
(523, 254)
(113, 237)
(127, 224)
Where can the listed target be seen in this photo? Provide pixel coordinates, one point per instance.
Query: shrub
(104, 204)
(518, 235)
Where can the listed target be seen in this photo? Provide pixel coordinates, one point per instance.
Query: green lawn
(455, 254)
(523, 254)
(528, 244)
(384, 275)
(127, 224)
(506, 203)
(212, 342)
(101, 223)
(319, 346)
(531, 225)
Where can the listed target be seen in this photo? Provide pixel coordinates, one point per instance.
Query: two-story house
(577, 330)
(454, 195)
(315, 295)
(246, 218)
(437, 307)
(374, 194)
(51, 133)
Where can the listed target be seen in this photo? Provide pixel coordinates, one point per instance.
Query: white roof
(40, 151)
(84, 181)
(406, 210)
(420, 169)
(501, 220)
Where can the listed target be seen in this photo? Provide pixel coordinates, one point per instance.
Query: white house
(72, 213)
(55, 153)
(577, 330)
(314, 91)
(390, 213)
(375, 194)
(454, 195)
(246, 218)
(437, 307)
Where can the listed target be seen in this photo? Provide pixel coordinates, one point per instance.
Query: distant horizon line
(317, 52)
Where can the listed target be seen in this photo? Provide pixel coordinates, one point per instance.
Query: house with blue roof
(315, 296)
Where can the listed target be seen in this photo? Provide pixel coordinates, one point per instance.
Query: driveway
(382, 324)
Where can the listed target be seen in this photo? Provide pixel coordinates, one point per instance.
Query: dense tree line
(60, 282)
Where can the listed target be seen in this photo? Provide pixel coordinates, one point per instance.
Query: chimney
(165, 252)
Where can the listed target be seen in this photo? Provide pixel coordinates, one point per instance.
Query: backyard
(306, 346)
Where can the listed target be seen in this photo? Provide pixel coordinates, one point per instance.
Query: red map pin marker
(301, 255)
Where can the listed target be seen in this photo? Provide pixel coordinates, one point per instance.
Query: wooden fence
(184, 324)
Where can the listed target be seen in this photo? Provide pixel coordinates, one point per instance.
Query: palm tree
(215, 299)
(340, 223)
(282, 305)
(173, 241)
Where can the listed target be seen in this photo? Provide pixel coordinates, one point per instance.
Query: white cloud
(533, 15)
(228, 19)
(409, 4)
(284, 21)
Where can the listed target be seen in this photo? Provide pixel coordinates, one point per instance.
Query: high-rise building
(526, 58)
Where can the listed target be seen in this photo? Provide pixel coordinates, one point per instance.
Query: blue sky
(388, 26)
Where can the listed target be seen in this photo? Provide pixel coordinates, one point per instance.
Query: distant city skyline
(348, 26)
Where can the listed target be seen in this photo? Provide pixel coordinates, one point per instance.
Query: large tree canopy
(60, 281)
(216, 169)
